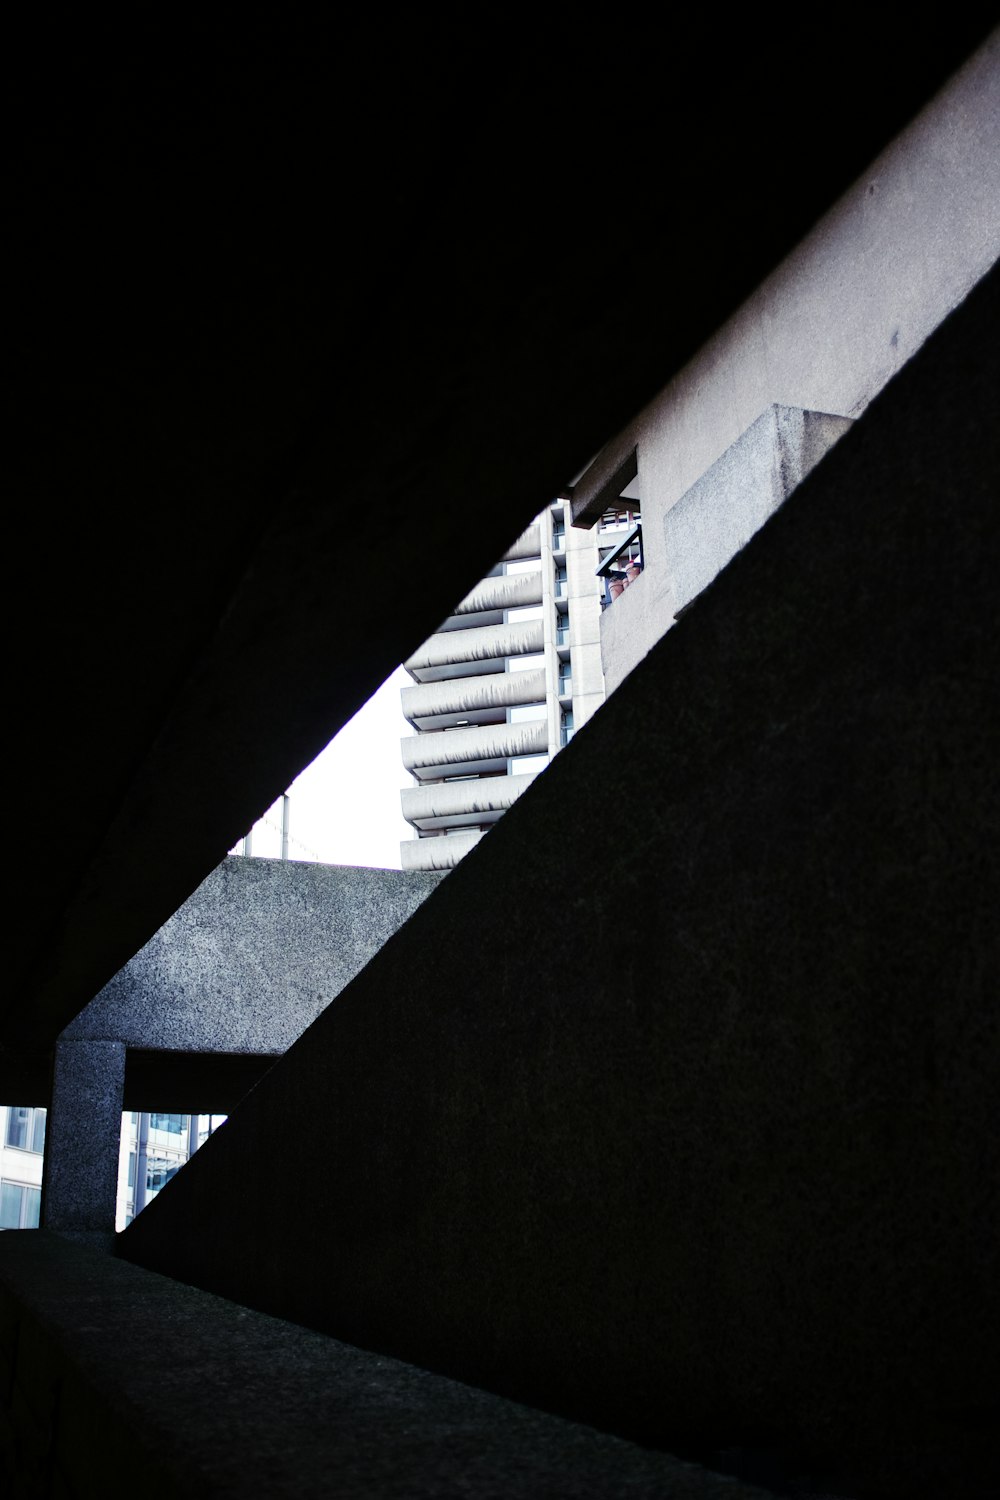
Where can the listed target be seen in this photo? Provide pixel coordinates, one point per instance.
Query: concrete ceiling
(307, 328)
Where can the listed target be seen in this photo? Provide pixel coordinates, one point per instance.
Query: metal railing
(622, 566)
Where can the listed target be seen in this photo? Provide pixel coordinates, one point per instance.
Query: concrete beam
(252, 957)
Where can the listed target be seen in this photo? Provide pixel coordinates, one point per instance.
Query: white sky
(345, 806)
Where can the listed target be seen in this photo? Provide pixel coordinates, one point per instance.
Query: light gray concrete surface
(720, 513)
(825, 332)
(253, 957)
(80, 1183)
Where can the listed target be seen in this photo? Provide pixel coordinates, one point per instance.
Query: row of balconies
(460, 674)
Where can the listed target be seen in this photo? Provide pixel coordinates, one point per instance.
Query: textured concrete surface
(718, 515)
(253, 957)
(116, 1381)
(80, 1175)
(841, 315)
(683, 1121)
(733, 499)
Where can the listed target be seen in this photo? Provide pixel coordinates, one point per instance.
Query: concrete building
(728, 439)
(656, 1152)
(500, 687)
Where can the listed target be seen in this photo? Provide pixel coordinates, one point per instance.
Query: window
(19, 1206)
(172, 1124)
(159, 1172)
(26, 1128)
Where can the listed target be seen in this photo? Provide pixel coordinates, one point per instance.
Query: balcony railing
(622, 566)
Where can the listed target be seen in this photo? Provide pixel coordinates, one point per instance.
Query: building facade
(22, 1144)
(502, 685)
(154, 1147)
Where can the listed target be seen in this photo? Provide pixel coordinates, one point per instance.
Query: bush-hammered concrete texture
(253, 957)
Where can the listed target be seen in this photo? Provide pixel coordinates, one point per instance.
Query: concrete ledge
(118, 1382)
(731, 501)
(253, 957)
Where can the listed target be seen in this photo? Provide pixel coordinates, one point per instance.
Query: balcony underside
(447, 653)
(437, 853)
(448, 804)
(435, 705)
(480, 748)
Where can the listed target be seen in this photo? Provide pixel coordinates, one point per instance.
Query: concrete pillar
(80, 1181)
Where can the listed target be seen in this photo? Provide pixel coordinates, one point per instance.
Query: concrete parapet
(734, 498)
(116, 1382)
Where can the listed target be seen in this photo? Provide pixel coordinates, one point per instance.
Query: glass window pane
(10, 1206)
(32, 1207)
(38, 1131)
(18, 1119)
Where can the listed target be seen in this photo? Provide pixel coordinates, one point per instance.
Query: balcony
(449, 804)
(462, 752)
(440, 705)
(437, 853)
(528, 544)
(509, 591)
(621, 566)
(463, 653)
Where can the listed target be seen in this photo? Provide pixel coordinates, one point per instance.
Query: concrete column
(80, 1181)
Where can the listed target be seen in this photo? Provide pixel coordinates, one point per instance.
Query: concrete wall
(677, 1113)
(115, 1382)
(253, 957)
(828, 329)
